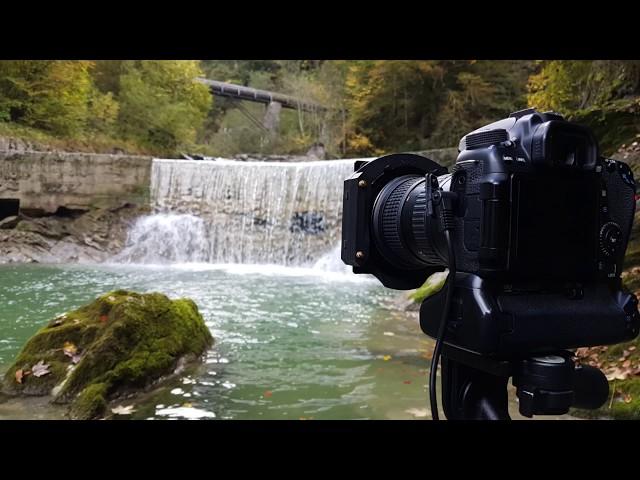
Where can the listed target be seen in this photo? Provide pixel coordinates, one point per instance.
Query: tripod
(474, 387)
(493, 336)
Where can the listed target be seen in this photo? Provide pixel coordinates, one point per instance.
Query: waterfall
(225, 211)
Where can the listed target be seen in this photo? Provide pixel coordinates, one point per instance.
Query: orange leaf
(267, 394)
(103, 318)
(407, 382)
(19, 375)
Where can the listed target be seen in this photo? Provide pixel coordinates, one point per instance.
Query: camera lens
(402, 230)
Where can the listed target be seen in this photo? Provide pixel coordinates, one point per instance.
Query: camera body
(540, 204)
(540, 224)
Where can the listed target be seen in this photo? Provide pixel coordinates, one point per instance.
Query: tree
(413, 105)
(602, 94)
(52, 95)
(161, 103)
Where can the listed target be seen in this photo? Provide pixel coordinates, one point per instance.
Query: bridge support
(272, 118)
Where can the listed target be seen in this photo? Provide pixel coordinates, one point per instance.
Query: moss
(624, 395)
(90, 403)
(432, 285)
(614, 124)
(126, 342)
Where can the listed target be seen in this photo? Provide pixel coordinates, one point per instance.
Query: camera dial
(610, 238)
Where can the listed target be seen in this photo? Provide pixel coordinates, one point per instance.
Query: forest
(371, 106)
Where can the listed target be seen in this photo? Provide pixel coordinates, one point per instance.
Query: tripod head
(475, 387)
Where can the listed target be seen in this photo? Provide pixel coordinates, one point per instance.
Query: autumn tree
(161, 103)
(52, 95)
(602, 94)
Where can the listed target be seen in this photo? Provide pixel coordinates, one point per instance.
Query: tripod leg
(470, 394)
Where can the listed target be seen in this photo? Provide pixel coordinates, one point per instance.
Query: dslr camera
(532, 223)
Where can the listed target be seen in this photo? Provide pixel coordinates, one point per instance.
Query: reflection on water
(290, 343)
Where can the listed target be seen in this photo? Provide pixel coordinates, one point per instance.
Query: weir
(226, 211)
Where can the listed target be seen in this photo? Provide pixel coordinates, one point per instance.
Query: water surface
(291, 343)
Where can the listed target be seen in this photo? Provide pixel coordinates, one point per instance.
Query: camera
(533, 224)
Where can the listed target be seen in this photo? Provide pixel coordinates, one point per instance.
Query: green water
(290, 343)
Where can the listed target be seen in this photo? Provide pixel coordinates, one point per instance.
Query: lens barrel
(404, 233)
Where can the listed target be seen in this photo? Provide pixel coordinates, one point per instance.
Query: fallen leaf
(389, 334)
(187, 405)
(626, 364)
(104, 318)
(69, 349)
(617, 374)
(120, 410)
(632, 348)
(40, 369)
(76, 358)
(19, 375)
(627, 398)
(407, 382)
(418, 412)
(386, 358)
(267, 394)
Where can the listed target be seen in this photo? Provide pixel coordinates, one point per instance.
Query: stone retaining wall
(46, 181)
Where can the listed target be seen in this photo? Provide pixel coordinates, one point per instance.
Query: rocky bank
(67, 236)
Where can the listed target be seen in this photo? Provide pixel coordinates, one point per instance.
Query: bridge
(274, 102)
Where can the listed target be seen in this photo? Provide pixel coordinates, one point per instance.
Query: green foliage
(157, 104)
(49, 94)
(373, 106)
(432, 285)
(161, 104)
(602, 94)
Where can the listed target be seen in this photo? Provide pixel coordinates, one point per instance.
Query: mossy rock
(119, 344)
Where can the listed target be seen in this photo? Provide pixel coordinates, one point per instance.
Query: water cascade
(227, 211)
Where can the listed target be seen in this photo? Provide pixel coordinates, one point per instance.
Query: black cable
(435, 359)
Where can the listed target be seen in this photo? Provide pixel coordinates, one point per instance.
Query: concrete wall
(45, 181)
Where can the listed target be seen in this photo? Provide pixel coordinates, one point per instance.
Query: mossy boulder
(117, 345)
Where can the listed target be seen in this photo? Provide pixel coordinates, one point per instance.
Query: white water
(233, 212)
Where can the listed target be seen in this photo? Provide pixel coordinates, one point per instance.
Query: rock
(9, 222)
(118, 345)
(93, 236)
(317, 151)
